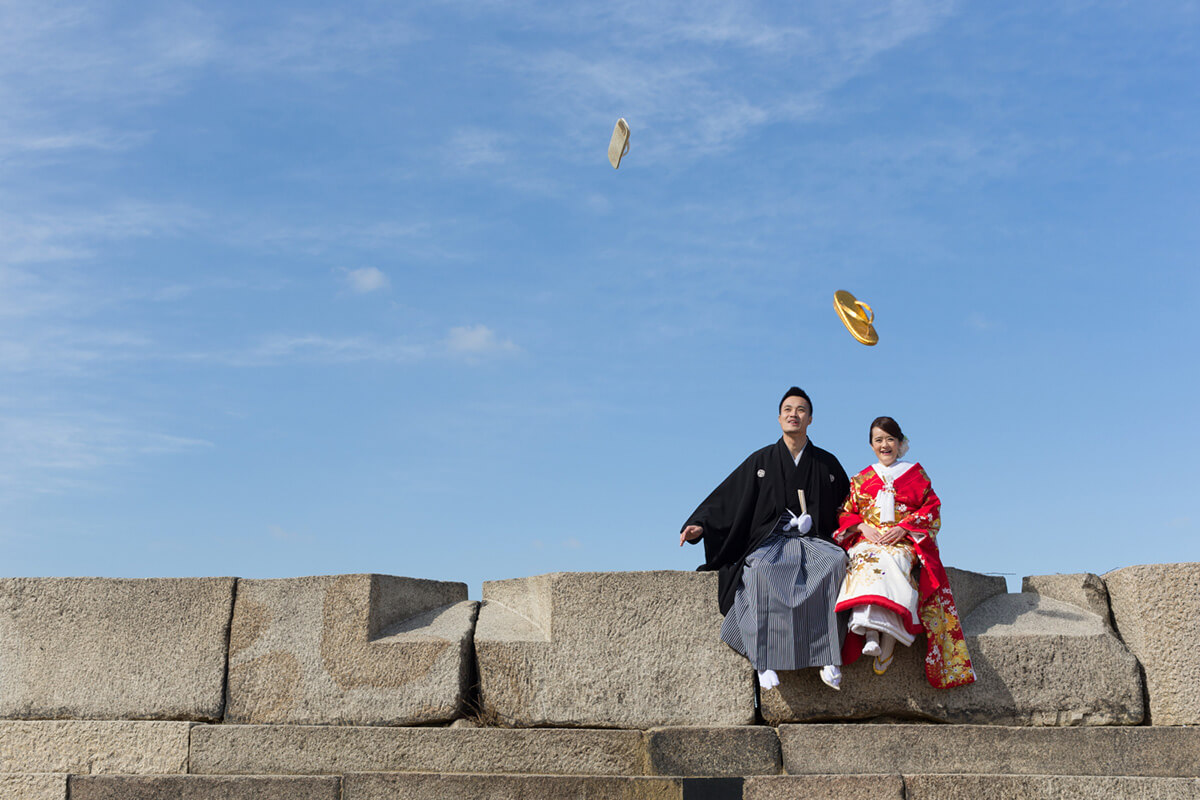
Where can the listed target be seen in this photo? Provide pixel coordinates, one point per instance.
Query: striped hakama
(782, 615)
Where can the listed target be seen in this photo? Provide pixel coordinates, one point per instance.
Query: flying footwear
(857, 316)
(619, 145)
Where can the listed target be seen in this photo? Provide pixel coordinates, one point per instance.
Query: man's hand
(690, 534)
(892, 535)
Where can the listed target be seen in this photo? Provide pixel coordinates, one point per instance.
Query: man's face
(795, 416)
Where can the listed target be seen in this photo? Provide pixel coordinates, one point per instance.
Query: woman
(889, 520)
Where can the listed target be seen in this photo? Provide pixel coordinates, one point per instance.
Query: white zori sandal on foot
(831, 676)
(619, 145)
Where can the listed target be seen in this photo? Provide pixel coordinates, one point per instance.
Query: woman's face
(886, 446)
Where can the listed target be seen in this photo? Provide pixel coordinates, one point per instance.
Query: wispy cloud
(51, 451)
(367, 279)
(65, 69)
(70, 72)
(703, 76)
(475, 341)
(979, 322)
(278, 235)
(330, 41)
(473, 147)
(75, 233)
(49, 323)
(319, 349)
(468, 343)
(284, 536)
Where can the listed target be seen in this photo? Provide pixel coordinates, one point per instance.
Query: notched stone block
(972, 588)
(1081, 589)
(349, 649)
(109, 648)
(1156, 610)
(609, 649)
(1038, 661)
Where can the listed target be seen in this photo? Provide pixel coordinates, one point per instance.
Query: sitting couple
(777, 530)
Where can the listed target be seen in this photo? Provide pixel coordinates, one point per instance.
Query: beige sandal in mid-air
(619, 146)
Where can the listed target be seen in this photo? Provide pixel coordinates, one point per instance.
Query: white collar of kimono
(796, 460)
(890, 474)
(885, 500)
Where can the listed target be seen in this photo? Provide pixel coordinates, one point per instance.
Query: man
(768, 529)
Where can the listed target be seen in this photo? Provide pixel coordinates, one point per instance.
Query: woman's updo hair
(888, 426)
(891, 428)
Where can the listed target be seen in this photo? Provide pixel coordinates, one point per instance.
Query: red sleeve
(924, 516)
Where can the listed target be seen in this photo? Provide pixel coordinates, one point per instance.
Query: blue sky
(292, 289)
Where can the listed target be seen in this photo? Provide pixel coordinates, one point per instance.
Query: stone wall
(594, 685)
(632, 650)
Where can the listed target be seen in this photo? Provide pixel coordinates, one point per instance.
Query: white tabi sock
(885, 650)
(831, 676)
(767, 679)
(871, 647)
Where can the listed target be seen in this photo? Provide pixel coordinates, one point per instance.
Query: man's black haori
(745, 508)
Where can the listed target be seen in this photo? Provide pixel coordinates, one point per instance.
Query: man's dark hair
(796, 391)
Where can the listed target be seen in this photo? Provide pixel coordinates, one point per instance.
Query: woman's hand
(870, 533)
(892, 535)
(690, 534)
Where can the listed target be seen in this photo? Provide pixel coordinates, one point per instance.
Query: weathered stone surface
(427, 786)
(1038, 661)
(201, 787)
(94, 746)
(1081, 589)
(1047, 787)
(108, 648)
(1156, 609)
(609, 649)
(34, 787)
(323, 749)
(910, 749)
(349, 649)
(733, 751)
(825, 787)
(972, 588)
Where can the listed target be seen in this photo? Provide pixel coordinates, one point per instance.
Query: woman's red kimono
(947, 663)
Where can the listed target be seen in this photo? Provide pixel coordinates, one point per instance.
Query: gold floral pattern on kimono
(864, 567)
(947, 662)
